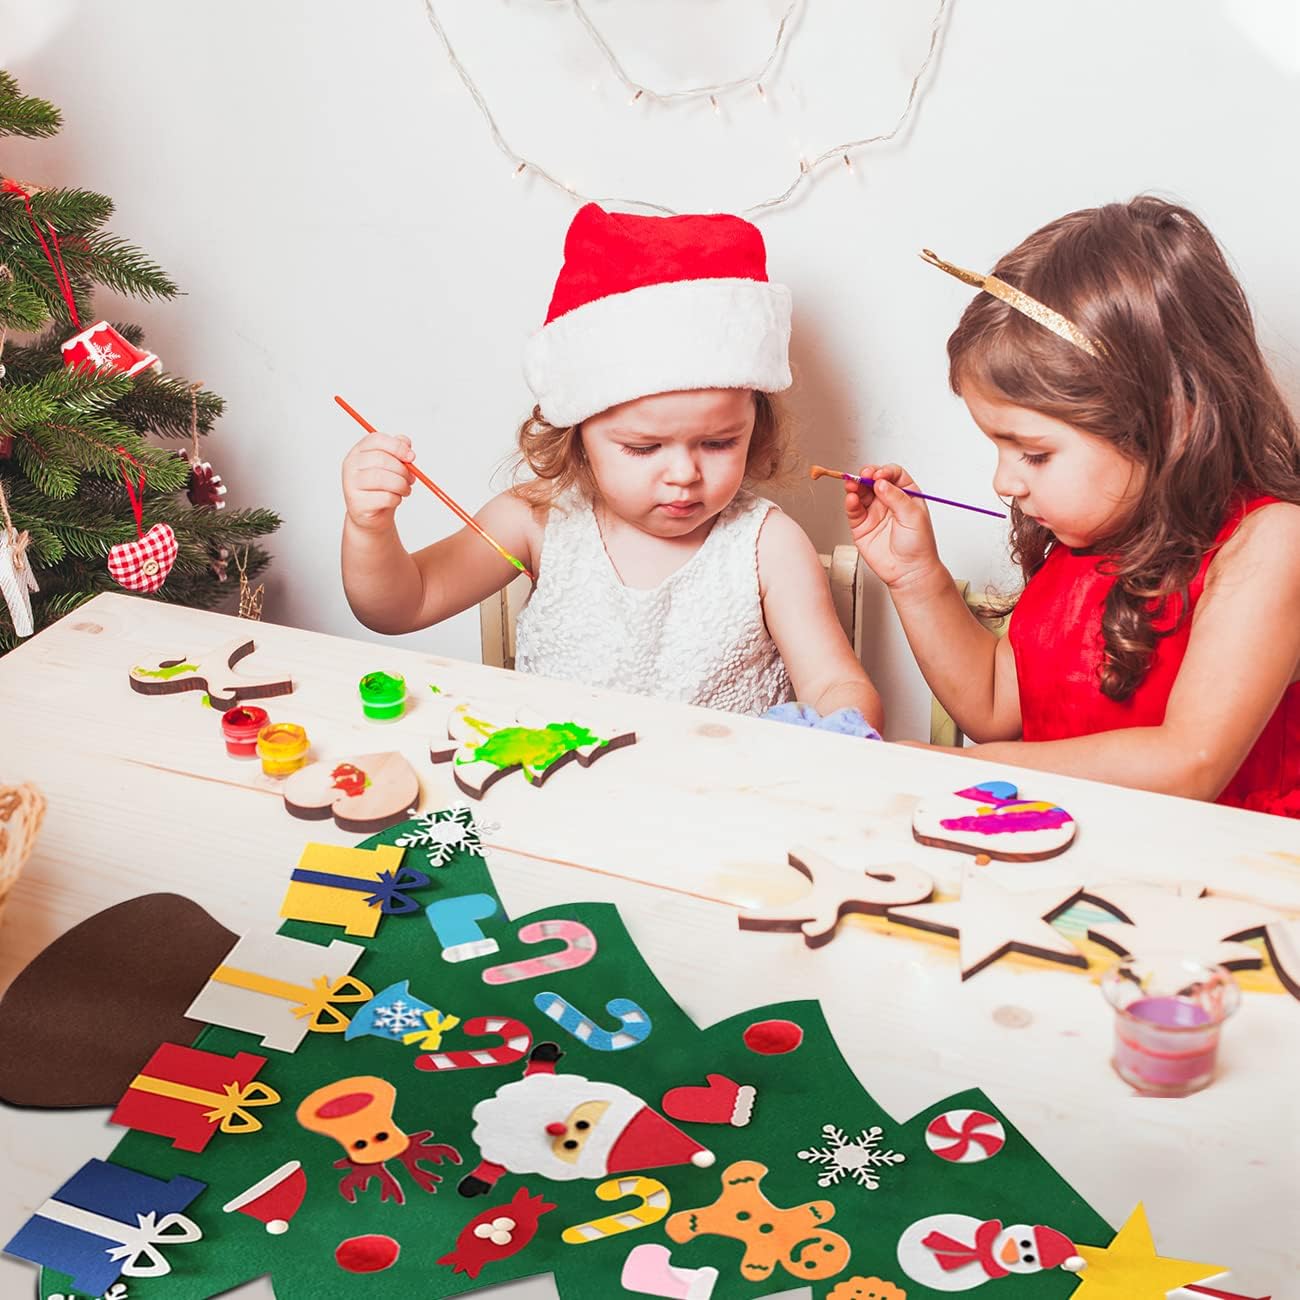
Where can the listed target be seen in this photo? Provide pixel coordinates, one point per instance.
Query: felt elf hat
(649, 305)
(273, 1200)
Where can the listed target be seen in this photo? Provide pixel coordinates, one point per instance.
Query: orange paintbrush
(465, 518)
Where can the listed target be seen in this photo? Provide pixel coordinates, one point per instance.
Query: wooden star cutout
(991, 921)
(1155, 921)
(1130, 1269)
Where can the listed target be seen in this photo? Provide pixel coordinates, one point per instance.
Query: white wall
(320, 183)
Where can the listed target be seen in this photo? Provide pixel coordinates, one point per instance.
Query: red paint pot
(240, 727)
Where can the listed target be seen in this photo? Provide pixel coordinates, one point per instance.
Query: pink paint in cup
(1168, 1014)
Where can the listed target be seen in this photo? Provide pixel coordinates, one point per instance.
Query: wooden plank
(682, 831)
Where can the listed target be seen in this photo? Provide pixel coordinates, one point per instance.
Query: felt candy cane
(516, 1038)
(579, 948)
(635, 1023)
(655, 1203)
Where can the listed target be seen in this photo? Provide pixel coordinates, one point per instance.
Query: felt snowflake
(858, 1157)
(398, 1018)
(443, 833)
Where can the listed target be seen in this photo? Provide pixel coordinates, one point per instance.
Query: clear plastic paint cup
(282, 747)
(1168, 1014)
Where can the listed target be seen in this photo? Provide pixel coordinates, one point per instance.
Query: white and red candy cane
(579, 948)
(965, 1136)
(517, 1040)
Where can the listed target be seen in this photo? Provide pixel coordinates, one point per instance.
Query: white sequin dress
(696, 638)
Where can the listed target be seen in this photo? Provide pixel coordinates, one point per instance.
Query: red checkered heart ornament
(143, 565)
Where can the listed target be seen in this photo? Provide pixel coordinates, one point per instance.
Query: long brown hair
(1180, 387)
(554, 454)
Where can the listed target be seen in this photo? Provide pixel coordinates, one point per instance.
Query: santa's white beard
(510, 1128)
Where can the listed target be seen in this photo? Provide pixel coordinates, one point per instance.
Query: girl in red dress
(1153, 473)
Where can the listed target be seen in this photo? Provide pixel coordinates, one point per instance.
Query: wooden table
(681, 831)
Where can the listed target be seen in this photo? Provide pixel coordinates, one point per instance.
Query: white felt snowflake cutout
(446, 832)
(858, 1157)
(397, 1018)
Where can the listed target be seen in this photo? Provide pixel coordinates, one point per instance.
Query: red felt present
(187, 1094)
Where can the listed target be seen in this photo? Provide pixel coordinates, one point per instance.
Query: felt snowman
(955, 1252)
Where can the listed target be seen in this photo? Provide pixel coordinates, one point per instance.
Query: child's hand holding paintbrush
(392, 590)
(891, 527)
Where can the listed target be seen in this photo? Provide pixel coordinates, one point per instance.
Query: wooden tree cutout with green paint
(481, 751)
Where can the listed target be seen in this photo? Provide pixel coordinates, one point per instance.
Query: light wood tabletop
(682, 831)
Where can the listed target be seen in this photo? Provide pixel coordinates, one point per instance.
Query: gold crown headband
(1060, 325)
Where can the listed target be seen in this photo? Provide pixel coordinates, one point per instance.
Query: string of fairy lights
(808, 166)
(641, 91)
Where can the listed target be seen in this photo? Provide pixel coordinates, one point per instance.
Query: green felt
(797, 1094)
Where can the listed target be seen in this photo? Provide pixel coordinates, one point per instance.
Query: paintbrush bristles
(820, 471)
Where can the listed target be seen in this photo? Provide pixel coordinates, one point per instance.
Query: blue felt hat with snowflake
(390, 1014)
(108, 1222)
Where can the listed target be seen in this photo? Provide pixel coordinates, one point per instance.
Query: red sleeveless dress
(1056, 636)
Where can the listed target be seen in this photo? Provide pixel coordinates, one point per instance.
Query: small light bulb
(762, 94)
(713, 99)
(635, 97)
(847, 163)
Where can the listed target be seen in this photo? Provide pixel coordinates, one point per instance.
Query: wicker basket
(21, 809)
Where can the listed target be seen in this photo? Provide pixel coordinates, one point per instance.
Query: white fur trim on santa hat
(660, 338)
(510, 1128)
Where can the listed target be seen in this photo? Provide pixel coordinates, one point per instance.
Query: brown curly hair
(555, 456)
(1181, 387)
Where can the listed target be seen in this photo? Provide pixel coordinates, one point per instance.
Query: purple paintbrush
(820, 471)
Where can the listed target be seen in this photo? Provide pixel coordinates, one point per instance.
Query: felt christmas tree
(463, 1099)
(90, 503)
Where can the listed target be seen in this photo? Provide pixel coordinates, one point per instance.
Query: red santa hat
(274, 1199)
(656, 305)
(1056, 1250)
(651, 1142)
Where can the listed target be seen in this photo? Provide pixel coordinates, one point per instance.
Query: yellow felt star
(1130, 1269)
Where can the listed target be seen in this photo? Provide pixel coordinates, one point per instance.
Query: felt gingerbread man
(793, 1238)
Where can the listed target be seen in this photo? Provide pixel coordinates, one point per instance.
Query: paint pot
(383, 696)
(240, 726)
(1168, 1014)
(282, 747)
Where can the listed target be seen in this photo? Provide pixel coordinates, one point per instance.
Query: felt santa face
(563, 1126)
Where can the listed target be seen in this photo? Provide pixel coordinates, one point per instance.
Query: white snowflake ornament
(443, 833)
(860, 1158)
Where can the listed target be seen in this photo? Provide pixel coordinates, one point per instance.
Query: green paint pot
(383, 696)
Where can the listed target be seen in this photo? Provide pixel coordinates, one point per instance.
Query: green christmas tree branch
(24, 114)
(70, 439)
